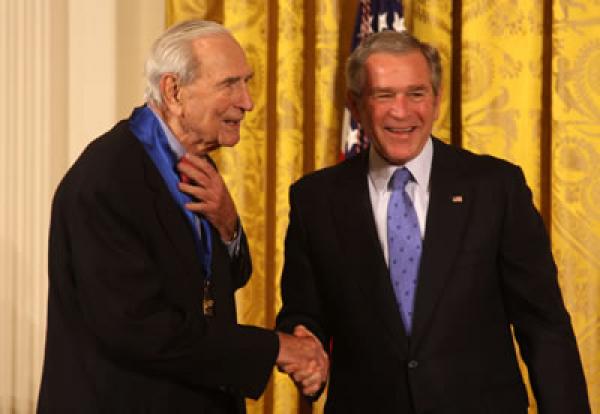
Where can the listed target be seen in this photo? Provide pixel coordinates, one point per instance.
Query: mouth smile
(400, 130)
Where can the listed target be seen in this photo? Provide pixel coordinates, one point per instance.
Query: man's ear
(169, 90)
(437, 101)
(352, 102)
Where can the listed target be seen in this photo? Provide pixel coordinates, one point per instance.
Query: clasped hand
(302, 357)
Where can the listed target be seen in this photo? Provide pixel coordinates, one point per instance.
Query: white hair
(172, 53)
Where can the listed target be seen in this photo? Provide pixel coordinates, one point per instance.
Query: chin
(399, 158)
(229, 141)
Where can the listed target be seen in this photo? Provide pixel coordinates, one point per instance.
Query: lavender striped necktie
(404, 245)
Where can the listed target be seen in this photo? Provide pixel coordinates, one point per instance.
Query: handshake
(302, 357)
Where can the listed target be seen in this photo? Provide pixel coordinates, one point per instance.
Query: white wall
(69, 69)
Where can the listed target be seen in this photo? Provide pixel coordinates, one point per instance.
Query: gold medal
(208, 301)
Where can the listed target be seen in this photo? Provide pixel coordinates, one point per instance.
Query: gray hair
(397, 43)
(172, 53)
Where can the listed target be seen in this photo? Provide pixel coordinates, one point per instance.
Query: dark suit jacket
(126, 332)
(486, 266)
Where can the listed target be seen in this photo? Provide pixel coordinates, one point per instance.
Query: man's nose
(244, 100)
(399, 107)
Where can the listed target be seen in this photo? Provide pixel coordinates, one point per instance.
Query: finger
(302, 377)
(194, 190)
(198, 192)
(311, 391)
(302, 331)
(193, 174)
(288, 368)
(197, 169)
(202, 164)
(304, 372)
(299, 376)
(196, 207)
(312, 384)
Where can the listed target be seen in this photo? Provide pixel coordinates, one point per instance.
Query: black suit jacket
(486, 267)
(126, 332)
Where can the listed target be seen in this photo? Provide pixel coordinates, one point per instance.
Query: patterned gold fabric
(576, 173)
(297, 49)
(294, 128)
(430, 21)
(501, 86)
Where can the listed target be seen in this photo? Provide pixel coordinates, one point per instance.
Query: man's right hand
(302, 357)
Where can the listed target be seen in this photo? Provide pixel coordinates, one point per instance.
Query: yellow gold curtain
(575, 195)
(295, 48)
(521, 82)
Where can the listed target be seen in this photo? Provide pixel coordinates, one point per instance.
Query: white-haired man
(147, 250)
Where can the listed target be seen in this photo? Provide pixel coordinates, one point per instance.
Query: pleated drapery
(521, 81)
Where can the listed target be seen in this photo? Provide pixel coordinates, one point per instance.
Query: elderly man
(143, 264)
(418, 259)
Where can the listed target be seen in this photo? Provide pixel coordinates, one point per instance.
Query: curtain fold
(506, 93)
(431, 21)
(575, 166)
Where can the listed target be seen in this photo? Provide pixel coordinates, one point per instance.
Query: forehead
(399, 69)
(220, 56)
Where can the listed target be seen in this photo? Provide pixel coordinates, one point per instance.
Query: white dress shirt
(380, 172)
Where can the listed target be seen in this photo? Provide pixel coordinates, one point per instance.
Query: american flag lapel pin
(457, 199)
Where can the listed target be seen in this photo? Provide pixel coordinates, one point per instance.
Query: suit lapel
(174, 223)
(356, 230)
(450, 201)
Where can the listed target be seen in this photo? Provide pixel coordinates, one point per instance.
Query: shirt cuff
(233, 246)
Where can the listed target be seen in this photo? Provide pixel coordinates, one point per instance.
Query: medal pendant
(208, 301)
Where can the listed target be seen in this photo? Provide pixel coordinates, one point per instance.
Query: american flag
(372, 16)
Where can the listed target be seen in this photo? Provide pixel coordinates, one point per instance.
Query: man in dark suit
(143, 267)
(419, 307)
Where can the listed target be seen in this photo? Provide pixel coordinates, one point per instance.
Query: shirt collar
(380, 170)
(173, 142)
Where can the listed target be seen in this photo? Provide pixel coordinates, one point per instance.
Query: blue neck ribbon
(146, 127)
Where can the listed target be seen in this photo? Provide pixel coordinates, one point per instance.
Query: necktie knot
(399, 179)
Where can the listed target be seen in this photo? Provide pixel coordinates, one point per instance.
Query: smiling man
(147, 249)
(417, 260)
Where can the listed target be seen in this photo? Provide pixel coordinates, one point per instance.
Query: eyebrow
(234, 79)
(383, 89)
(408, 89)
(417, 87)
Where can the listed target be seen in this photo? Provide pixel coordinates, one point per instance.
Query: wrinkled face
(397, 106)
(213, 105)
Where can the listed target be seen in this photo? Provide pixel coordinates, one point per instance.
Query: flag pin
(457, 199)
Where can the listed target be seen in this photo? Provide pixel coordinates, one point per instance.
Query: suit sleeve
(302, 304)
(541, 323)
(139, 321)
